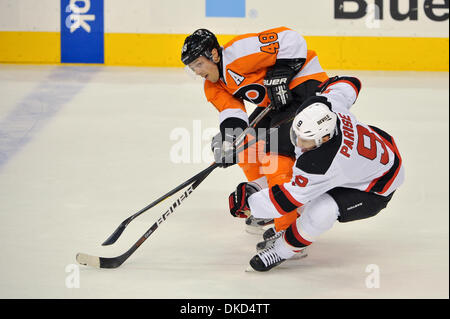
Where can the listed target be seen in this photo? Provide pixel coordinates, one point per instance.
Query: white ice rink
(82, 148)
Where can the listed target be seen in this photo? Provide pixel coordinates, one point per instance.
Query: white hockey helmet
(314, 123)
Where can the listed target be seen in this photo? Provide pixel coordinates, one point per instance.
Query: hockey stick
(119, 230)
(114, 262)
(116, 234)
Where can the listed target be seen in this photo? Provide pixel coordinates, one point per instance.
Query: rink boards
(346, 34)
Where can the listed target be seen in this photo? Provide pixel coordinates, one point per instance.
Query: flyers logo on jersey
(254, 93)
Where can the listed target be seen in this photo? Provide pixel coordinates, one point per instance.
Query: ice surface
(82, 148)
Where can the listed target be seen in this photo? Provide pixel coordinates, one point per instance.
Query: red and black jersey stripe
(283, 200)
(382, 184)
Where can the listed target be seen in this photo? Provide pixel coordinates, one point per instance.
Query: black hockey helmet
(199, 43)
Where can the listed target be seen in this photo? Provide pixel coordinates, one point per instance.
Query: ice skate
(257, 226)
(265, 260)
(273, 255)
(270, 236)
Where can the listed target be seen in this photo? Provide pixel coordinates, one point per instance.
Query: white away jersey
(360, 156)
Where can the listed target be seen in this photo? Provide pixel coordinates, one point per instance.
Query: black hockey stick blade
(100, 262)
(119, 230)
(104, 262)
(115, 235)
(195, 179)
(115, 262)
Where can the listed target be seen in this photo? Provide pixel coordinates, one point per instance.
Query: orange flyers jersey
(245, 61)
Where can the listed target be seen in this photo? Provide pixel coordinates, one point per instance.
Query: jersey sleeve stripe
(397, 165)
(382, 183)
(238, 38)
(237, 113)
(311, 64)
(275, 203)
(311, 70)
(249, 35)
(290, 197)
(322, 76)
(281, 202)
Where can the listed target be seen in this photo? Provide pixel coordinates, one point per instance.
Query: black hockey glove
(238, 200)
(324, 85)
(355, 82)
(277, 85)
(222, 144)
(224, 151)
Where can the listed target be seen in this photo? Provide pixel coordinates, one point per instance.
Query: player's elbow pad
(231, 128)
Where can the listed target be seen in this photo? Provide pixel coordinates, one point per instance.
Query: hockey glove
(238, 200)
(355, 82)
(324, 85)
(277, 85)
(224, 152)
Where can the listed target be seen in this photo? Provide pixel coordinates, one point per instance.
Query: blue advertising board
(228, 8)
(82, 31)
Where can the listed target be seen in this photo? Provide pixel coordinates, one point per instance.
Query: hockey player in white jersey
(345, 171)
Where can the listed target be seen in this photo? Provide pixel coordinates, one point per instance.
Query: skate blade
(297, 257)
(254, 230)
(257, 230)
(250, 269)
(294, 258)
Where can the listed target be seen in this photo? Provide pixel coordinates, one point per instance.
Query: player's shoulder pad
(319, 160)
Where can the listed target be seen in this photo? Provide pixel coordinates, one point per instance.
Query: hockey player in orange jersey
(273, 67)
